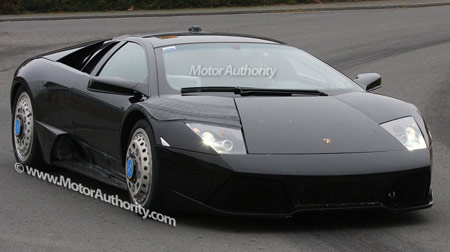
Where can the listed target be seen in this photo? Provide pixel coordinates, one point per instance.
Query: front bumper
(283, 185)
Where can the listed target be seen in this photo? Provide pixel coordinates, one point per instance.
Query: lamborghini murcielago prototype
(220, 123)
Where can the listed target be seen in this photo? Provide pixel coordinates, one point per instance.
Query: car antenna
(195, 28)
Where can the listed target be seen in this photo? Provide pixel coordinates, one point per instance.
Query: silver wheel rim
(138, 166)
(23, 127)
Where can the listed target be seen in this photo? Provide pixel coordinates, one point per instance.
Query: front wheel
(24, 138)
(141, 168)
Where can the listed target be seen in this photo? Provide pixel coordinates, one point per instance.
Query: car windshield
(265, 66)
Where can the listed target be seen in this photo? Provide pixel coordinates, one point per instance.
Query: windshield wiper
(246, 91)
(278, 92)
(209, 89)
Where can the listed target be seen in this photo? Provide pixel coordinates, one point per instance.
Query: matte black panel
(213, 109)
(298, 125)
(380, 108)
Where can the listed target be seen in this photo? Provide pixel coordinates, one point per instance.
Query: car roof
(177, 38)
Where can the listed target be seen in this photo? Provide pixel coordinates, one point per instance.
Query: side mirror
(368, 81)
(113, 85)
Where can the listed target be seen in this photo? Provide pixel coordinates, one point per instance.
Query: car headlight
(223, 140)
(407, 132)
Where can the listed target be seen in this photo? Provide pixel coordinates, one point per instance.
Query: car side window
(97, 56)
(128, 63)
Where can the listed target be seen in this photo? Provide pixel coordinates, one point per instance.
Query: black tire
(153, 199)
(34, 158)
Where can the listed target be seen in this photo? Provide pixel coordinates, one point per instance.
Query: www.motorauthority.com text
(95, 193)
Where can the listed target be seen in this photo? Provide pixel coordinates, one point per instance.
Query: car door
(59, 73)
(96, 116)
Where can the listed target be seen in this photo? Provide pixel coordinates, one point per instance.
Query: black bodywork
(84, 127)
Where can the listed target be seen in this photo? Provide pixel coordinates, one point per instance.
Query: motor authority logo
(95, 193)
(230, 70)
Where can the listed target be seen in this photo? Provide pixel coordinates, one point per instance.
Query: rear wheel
(141, 168)
(25, 142)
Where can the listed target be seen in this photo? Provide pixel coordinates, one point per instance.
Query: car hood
(308, 125)
(292, 125)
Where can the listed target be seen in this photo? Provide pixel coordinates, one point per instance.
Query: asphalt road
(410, 48)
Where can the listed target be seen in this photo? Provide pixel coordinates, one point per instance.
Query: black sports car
(220, 123)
